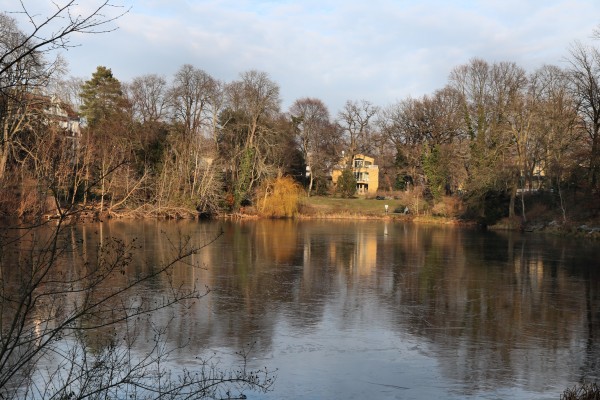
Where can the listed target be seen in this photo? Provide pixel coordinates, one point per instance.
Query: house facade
(62, 114)
(366, 173)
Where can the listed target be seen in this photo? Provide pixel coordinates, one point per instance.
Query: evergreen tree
(102, 97)
(435, 172)
(346, 184)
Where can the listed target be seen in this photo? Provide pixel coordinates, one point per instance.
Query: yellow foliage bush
(278, 197)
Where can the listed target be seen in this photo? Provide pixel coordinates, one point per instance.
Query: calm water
(382, 310)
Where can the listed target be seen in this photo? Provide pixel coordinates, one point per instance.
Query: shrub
(279, 197)
(449, 207)
(414, 200)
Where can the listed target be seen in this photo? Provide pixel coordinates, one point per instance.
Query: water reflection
(380, 309)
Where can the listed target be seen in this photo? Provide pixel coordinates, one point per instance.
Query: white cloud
(380, 50)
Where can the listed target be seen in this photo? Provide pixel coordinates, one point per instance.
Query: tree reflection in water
(382, 309)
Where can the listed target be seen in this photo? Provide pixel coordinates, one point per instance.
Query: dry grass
(332, 207)
(363, 208)
(588, 391)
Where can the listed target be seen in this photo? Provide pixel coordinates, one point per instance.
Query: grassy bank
(316, 206)
(363, 208)
(334, 207)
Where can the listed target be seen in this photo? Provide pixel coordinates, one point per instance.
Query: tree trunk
(103, 178)
(523, 207)
(310, 182)
(513, 196)
(562, 203)
(3, 158)
(594, 162)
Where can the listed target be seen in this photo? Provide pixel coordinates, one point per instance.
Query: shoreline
(583, 229)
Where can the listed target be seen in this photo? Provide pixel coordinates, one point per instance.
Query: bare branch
(55, 31)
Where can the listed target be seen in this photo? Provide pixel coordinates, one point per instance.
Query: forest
(492, 139)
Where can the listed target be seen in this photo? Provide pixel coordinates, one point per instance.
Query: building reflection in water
(492, 310)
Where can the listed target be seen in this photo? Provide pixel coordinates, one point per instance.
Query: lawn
(317, 205)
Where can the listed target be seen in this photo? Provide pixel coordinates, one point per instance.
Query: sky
(382, 51)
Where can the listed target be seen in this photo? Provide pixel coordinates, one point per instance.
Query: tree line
(191, 143)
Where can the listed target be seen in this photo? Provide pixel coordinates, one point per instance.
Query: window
(361, 176)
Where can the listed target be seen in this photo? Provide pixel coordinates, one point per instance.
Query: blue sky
(336, 50)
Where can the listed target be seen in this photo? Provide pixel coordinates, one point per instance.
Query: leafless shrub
(587, 391)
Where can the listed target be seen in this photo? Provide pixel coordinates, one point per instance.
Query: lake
(380, 309)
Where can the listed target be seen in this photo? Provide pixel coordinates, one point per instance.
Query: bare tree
(66, 89)
(257, 96)
(522, 126)
(148, 97)
(596, 33)
(439, 116)
(472, 82)
(216, 103)
(397, 124)
(487, 92)
(356, 121)
(14, 110)
(191, 93)
(559, 131)
(585, 79)
(20, 70)
(252, 101)
(48, 157)
(189, 178)
(47, 34)
(20, 65)
(314, 133)
(24, 55)
(418, 128)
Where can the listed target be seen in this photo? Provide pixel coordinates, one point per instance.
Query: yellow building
(365, 171)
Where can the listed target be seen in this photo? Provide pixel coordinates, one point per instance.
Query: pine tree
(102, 97)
